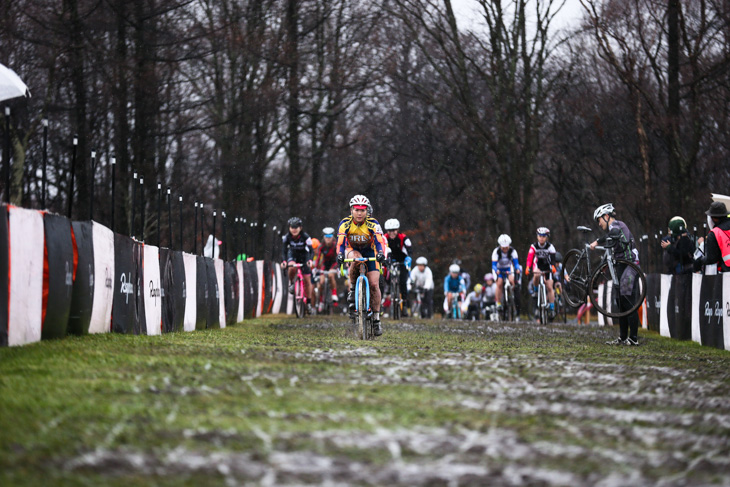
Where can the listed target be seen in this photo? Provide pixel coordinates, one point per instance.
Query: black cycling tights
(629, 324)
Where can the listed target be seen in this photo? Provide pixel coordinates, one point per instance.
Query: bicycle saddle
(584, 229)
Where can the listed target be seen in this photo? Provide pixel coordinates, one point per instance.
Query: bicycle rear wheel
(576, 280)
(602, 277)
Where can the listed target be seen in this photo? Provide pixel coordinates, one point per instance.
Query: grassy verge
(279, 401)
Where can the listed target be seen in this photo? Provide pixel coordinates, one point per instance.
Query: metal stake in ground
(169, 219)
(141, 202)
(212, 250)
(45, 163)
(195, 230)
(159, 209)
(114, 187)
(93, 171)
(202, 230)
(134, 204)
(6, 156)
(73, 172)
(224, 250)
(179, 197)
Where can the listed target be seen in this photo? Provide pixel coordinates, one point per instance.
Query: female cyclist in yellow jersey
(364, 235)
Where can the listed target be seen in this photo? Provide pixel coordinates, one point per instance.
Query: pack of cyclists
(359, 234)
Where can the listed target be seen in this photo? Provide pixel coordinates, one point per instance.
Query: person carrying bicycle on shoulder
(297, 248)
(364, 234)
(540, 259)
(619, 236)
(505, 264)
(454, 286)
(326, 261)
(400, 254)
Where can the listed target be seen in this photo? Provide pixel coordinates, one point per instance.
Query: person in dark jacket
(717, 243)
(678, 248)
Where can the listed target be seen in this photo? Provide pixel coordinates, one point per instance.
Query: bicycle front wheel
(363, 330)
(575, 278)
(299, 297)
(631, 275)
(542, 298)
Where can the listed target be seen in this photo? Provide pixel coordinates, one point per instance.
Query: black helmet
(295, 222)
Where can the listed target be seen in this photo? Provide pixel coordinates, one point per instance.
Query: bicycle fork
(357, 294)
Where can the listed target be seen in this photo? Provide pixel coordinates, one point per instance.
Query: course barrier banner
(58, 276)
(241, 290)
(278, 292)
(201, 291)
(172, 268)
(82, 298)
(251, 282)
(4, 271)
(190, 291)
(26, 276)
(268, 287)
(261, 288)
(104, 281)
(124, 309)
(696, 287)
(726, 309)
(151, 290)
(140, 324)
(213, 318)
(679, 307)
(230, 286)
(653, 301)
(219, 267)
(711, 311)
(666, 284)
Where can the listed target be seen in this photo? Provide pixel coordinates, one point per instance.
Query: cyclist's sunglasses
(543, 234)
(326, 235)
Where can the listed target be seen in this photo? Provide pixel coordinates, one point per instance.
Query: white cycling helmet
(359, 199)
(504, 240)
(454, 269)
(606, 209)
(421, 261)
(328, 231)
(543, 231)
(392, 224)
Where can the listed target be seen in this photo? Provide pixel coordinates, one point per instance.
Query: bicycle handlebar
(358, 259)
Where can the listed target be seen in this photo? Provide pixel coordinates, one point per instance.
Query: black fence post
(195, 230)
(114, 187)
(45, 163)
(134, 205)
(93, 172)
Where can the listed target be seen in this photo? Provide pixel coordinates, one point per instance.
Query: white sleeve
(429, 279)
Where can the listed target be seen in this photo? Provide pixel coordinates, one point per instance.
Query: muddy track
(450, 403)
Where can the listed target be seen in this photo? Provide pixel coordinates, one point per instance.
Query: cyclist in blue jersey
(504, 265)
(453, 284)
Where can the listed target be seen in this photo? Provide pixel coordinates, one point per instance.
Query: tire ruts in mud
(711, 311)
(172, 269)
(82, 299)
(653, 301)
(213, 316)
(201, 293)
(4, 271)
(26, 251)
(230, 294)
(124, 308)
(58, 275)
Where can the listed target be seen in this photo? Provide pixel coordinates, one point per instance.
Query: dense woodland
(272, 108)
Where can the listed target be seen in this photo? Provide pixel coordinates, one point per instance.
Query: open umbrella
(11, 86)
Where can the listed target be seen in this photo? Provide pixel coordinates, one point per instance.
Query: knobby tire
(575, 266)
(299, 297)
(602, 275)
(362, 314)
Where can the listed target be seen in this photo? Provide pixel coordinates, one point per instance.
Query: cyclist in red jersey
(326, 261)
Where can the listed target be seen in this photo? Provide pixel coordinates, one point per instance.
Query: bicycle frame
(363, 314)
(299, 288)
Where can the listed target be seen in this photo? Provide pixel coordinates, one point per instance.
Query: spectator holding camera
(678, 248)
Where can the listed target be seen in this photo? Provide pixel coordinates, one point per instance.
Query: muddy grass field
(279, 401)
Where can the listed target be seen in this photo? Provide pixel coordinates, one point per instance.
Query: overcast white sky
(569, 15)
